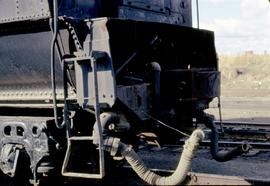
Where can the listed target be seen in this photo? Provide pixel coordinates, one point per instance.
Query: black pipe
(156, 70)
(218, 155)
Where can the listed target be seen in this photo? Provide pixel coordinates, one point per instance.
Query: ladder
(71, 139)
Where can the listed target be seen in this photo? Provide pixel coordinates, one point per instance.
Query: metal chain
(72, 32)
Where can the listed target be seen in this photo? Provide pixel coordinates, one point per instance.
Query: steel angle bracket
(85, 82)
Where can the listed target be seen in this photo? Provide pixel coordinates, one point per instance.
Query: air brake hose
(220, 155)
(113, 145)
(181, 171)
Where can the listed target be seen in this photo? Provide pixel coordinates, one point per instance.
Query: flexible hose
(222, 156)
(181, 171)
(113, 145)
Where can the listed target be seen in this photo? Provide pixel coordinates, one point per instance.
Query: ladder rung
(76, 59)
(78, 138)
(83, 175)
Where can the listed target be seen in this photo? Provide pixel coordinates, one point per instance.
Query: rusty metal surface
(136, 98)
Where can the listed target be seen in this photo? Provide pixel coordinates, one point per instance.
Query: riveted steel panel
(25, 68)
(153, 5)
(20, 10)
(80, 9)
(177, 12)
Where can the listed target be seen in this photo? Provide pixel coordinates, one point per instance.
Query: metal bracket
(9, 158)
(85, 83)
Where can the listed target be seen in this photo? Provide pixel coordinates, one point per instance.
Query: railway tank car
(79, 80)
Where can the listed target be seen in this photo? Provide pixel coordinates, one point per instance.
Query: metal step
(67, 173)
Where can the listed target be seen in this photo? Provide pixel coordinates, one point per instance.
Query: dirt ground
(254, 165)
(243, 105)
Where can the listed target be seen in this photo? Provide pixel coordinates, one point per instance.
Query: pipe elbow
(156, 66)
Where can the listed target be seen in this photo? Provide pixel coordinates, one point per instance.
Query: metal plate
(80, 9)
(25, 67)
(153, 5)
(136, 98)
(165, 11)
(99, 41)
(20, 10)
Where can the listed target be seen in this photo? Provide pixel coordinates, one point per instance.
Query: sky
(239, 25)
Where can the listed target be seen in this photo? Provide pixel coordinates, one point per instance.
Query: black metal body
(136, 59)
(164, 11)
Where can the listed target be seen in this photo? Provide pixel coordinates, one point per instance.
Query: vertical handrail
(198, 14)
(97, 115)
(54, 40)
(97, 107)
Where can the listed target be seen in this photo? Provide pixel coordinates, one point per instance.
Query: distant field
(245, 75)
(245, 88)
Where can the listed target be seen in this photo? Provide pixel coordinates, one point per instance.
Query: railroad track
(254, 145)
(257, 135)
(245, 125)
(264, 146)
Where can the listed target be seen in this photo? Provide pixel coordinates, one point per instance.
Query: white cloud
(254, 9)
(216, 1)
(250, 30)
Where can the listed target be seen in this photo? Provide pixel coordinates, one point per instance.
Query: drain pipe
(220, 155)
(156, 70)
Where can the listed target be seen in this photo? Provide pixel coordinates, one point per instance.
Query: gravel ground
(253, 165)
(243, 109)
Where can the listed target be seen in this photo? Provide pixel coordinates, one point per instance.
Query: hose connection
(114, 146)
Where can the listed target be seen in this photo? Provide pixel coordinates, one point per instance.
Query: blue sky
(239, 25)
